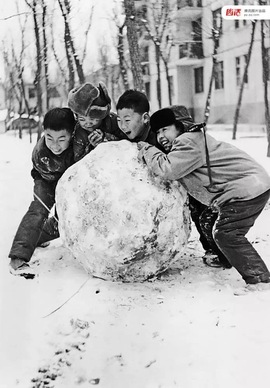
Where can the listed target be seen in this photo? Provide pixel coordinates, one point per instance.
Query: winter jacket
(47, 165)
(236, 175)
(47, 169)
(109, 127)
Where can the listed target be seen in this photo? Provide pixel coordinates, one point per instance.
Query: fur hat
(89, 100)
(162, 118)
(181, 113)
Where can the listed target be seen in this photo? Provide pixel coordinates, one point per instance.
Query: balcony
(191, 50)
(189, 9)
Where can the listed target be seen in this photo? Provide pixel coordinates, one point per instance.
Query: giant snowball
(120, 222)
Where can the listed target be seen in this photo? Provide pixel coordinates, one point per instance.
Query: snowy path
(185, 330)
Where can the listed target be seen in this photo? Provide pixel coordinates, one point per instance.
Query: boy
(234, 187)
(51, 156)
(133, 116)
(95, 123)
(134, 120)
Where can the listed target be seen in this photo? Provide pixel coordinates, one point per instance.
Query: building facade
(197, 31)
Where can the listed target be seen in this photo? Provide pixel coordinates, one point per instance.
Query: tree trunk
(208, 98)
(237, 111)
(133, 44)
(70, 47)
(45, 53)
(71, 78)
(158, 75)
(265, 83)
(39, 67)
(120, 50)
(215, 36)
(167, 78)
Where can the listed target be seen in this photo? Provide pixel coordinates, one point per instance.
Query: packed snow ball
(120, 222)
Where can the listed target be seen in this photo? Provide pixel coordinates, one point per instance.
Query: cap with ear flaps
(181, 113)
(89, 100)
(162, 118)
(183, 116)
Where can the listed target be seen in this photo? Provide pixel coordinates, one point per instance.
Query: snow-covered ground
(185, 330)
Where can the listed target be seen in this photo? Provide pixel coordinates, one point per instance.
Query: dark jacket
(149, 137)
(47, 169)
(109, 127)
(47, 165)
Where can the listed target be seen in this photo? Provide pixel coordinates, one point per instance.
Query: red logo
(233, 12)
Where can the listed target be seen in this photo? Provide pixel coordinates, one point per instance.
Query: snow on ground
(185, 330)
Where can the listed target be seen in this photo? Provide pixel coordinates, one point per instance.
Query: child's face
(57, 141)
(133, 124)
(88, 123)
(166, 136)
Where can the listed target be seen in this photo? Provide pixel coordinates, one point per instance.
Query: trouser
(226, 231)
(196, 208)
(50, 230)
(31, 226)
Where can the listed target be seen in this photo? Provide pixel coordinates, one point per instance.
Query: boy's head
(166, 126)
(133, 113)
(58, 125)
(90, 104)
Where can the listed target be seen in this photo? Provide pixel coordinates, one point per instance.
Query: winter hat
(89, 100)
(181, 113)
(162, 118)
(183, 116)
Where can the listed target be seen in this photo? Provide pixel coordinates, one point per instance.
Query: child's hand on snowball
(96, 137)
(141, 145)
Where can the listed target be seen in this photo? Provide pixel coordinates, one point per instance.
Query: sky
(101, 30)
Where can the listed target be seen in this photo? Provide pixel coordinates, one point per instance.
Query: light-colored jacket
(236, 175)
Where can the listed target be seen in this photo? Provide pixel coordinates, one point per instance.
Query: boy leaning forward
(232, 185)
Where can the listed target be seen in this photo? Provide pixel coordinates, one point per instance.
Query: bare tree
(121, 55)
(265, 66)
(156, 27)
(71, 52)
(67, 80)
(238, 106)
(119, 21)
(103, 58)
(39, 60)
(216, 33)
(45, 52)
(14, 63)
(132, 38)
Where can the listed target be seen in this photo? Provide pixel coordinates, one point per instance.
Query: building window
(217, 26)
(146, 69)
(240, 65)
(53, 92)
(219, 76)
(141, 11)
(188, 3)
(238, 71)
(147, 90)
(32, 93)
(145, 54)
(171, 85)
(198, 75)
(237, 21)
(217, 20)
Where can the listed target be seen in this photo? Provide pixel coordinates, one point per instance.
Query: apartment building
(197, 31)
